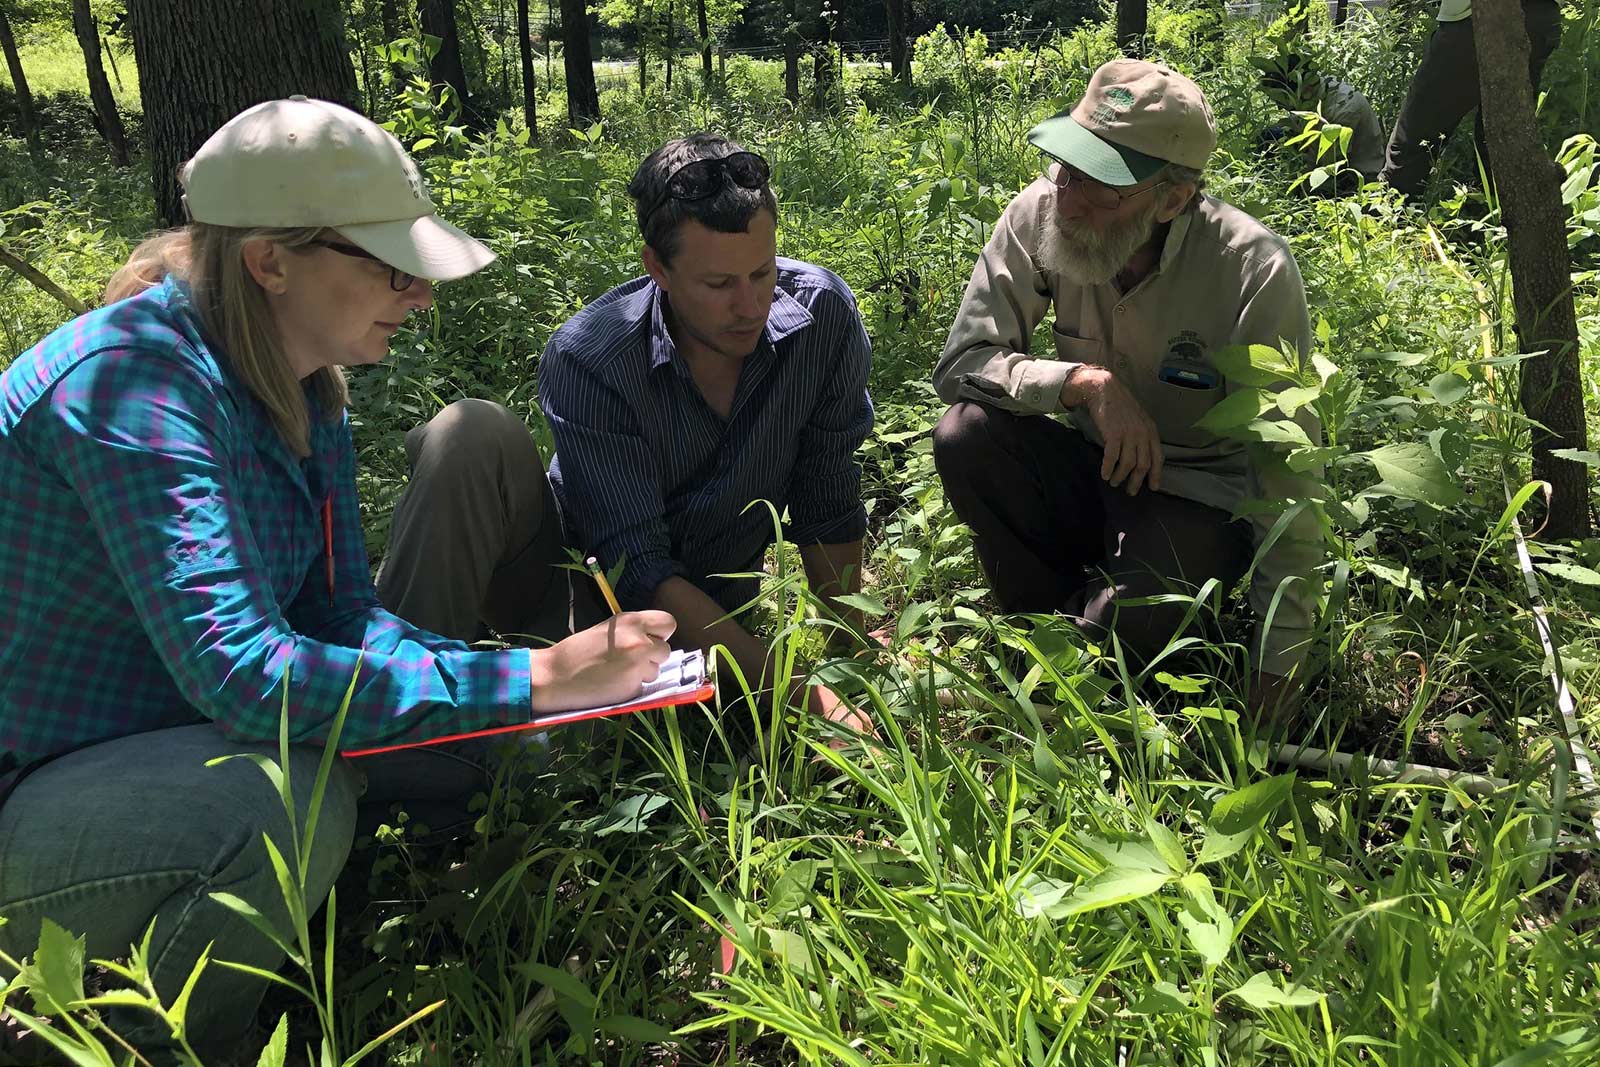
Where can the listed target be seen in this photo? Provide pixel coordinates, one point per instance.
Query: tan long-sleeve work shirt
(1223, 279)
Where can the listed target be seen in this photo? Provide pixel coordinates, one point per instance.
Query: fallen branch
(28, 271)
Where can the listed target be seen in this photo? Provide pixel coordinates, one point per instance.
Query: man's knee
(965, 437)
(472, 434)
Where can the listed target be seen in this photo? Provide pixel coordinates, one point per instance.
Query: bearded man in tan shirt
(1082, 474)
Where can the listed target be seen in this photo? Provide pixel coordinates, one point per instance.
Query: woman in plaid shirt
(182, 559)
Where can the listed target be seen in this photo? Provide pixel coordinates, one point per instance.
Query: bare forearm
(834, 571)
(701, 625)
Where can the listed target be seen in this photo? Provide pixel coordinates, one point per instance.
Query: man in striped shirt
(726, 377)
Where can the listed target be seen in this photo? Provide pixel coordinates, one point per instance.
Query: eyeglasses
(705, 177)
(399, 280)
(1096, 194)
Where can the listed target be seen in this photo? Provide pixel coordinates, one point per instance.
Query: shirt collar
(788, 316)
(1175, 235)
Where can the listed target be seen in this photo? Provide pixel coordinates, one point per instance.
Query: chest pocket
(1073, 349)
(1176, 401)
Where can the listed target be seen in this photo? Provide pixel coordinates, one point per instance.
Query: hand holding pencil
(605, 664)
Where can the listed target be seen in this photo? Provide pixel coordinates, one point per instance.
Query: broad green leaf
(562, 983)
(1249, 807)
(57, 975)
(792, 887)
(1211, 940)
(1253, 365)
(1295, 397)
(865, 603)
(1400, 577)
(630, 815)
(1571, 572)
(1412, 471)
(634, 1029)
(1118, 885)
(1279, 432)
(1234, 411)
(1259, 991)
(1163, 998)
(1219, 846)
(1037, 895)
(1592, 459)
(1181, 684)
(1167, 845)
(791, 948)
(1325, 367)
(1449, 387)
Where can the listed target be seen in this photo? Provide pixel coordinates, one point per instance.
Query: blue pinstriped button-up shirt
(647, 472)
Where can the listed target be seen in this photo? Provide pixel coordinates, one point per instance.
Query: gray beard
(1084, 257)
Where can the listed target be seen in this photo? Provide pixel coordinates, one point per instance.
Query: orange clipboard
(652, 699)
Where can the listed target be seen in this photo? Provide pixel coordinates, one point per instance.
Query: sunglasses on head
(705, 177)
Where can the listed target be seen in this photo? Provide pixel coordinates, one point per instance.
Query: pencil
(605, 586)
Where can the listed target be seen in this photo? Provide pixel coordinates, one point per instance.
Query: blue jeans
(105, 840)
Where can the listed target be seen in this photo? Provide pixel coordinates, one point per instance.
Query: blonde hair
(235, 315)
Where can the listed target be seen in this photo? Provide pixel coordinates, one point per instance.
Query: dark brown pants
(1445, 88)
(1052, 535)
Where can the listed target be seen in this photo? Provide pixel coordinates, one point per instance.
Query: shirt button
(1119, 309)
(1122, 361)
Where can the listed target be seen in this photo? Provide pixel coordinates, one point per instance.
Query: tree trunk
(899, 50)
(705, 47)
(105, 105)
(583, 100)
(822, 68)
(1529, 186)
(438, 19)
(530, 96)
(19, 80)
(253, 52)
(1133, 20)
(391, 21)
(671, 45)
(791, 55)
(1341, 11)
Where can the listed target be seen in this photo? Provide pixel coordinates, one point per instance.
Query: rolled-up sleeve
(825, 488)
(146, 444)
(609, 485)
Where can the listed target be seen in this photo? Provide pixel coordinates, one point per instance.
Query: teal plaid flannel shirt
(162, 559)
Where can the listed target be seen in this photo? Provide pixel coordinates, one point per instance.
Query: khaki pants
(476, 545)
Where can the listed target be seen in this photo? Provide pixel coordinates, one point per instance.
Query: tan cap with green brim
(1134, 119)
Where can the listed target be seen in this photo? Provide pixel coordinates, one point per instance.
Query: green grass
(1053, 859)
(53, 63)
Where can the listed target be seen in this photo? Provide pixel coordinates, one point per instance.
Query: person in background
(181, 556)
(1292, 82)
(1124, 497)
(1445, 88)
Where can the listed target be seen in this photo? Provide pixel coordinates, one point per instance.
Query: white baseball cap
(301, 162)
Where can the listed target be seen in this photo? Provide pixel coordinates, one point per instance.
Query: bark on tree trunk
(438, 18)
(1133, 19)
(105, 105)
(391, 21)
(19, 80)
(583, 100)
(899, 50)
(1529, 186)
(1341, 11)
(671, 45)
(253, 52)
(822, 71)
(530, 96)
(705, 47)
(791, 55)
